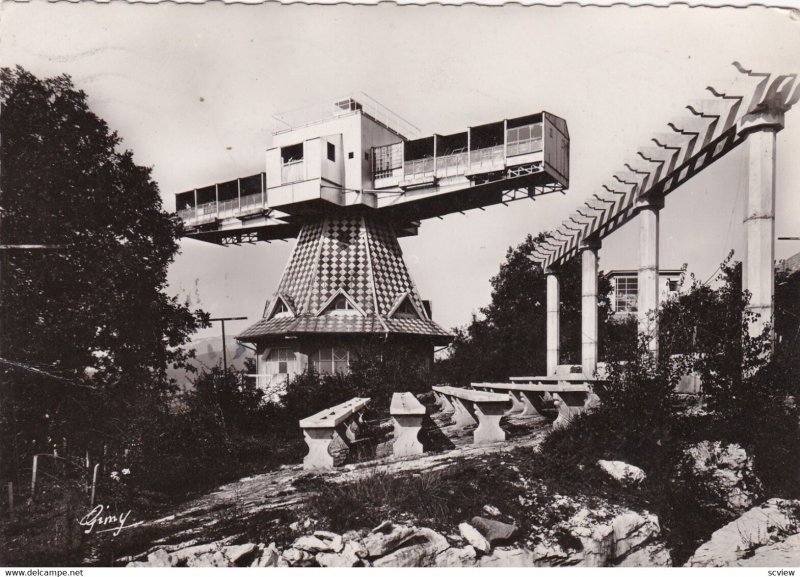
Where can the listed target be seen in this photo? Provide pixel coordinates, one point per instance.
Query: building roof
(631, 271)
(359, 258)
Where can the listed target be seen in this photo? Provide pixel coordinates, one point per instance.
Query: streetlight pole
(224, 351)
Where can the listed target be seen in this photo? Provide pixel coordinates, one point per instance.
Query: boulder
(240, 555)
(422, 549)
(349, 556)
(783, 554)
(494, 531)
(457, 557)
(652, 555)
(491, 510)
(312, 544)
(182, 556)
(596, 537)
(297, 557)
(622, 472)
(385, 538)
(474, 538)
(724, 474)
(210, 559)
(508, 557)
(760, 527)
(334, 540)
(268, 556)
(160, 558)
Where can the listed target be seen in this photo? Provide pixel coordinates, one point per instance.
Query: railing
(309, 115)
(252, 202)
(486, 156)
(227, 208)
(292, 172)
(452, 164)
(524, 146)
(415, 168)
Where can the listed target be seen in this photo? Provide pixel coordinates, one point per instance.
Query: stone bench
(321, 429)
(470, 407)
(407, 414)
(572, 394)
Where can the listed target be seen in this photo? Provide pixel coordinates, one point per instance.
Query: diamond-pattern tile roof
(359, 255)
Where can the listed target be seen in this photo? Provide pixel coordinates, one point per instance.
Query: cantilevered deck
(359, 158)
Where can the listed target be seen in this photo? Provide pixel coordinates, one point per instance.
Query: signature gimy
(115, 523)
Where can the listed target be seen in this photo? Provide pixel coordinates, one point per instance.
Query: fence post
(94, 483)
(10, 497)
(33, 475)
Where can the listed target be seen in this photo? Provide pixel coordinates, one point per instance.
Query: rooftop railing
(309, 115)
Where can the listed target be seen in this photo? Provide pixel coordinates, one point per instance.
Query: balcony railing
(292, 172)
(486, 156)
(417, 168)
(524, 146)
(452, 164)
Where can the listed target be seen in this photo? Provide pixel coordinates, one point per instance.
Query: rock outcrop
(622, 472)
(724, 477)
(762, 536)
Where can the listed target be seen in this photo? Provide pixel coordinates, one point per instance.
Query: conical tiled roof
(356, 255)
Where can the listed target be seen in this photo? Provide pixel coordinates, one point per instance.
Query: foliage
(88, 331)
(377, 371)
(507, 339)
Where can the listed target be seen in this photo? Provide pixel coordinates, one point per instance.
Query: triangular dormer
(280, 306)
(340, 303)
(405, 308)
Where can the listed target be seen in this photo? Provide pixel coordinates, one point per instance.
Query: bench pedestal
(462, 416)
(319, 442)
(489, 415)
(406, 431)
(528, 408)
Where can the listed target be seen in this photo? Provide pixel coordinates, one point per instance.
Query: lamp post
(224, 351)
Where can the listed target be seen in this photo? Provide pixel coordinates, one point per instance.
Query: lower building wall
(278, 362)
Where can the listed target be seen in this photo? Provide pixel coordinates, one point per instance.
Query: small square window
(349, 155)
(331, 152)
(673, 286)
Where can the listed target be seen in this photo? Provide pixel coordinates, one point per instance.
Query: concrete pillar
(647, 305)
(589, 308)
(758, 276)
(553, 330)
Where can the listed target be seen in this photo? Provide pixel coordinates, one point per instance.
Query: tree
(509, 339)
(96, 306)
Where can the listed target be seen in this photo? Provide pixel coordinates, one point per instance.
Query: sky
(191, 90)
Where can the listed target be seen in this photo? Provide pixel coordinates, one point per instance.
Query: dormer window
(340, 304)
(406, 311)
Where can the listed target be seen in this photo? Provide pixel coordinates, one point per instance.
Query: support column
(647, 305)
(758, 276)
(589, 307)
(553, 330)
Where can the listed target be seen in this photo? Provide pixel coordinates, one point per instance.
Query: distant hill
(209, 354)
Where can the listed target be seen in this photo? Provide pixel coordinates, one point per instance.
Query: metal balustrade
(486, 156)
(292, 172)
(524, 146)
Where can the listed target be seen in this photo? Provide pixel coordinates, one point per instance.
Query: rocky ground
(269, 519)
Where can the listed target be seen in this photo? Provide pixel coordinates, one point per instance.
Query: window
(673, 286)
(524, 139)
(386, 159)
(366, 156)
(291, 154)
(340, 305)
(406, 310)
(331, 360)
(350, 155)
(331, 152)
(626, 294)
(278, 361)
